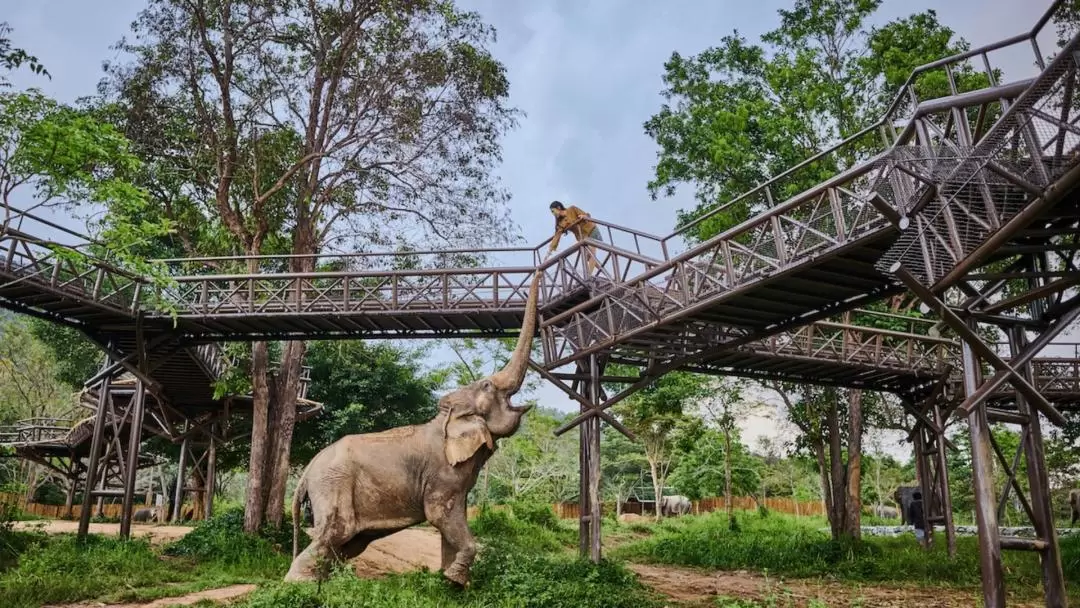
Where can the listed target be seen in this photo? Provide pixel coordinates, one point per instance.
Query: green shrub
(504, 527)
(14, 542)
(536, 513)
(222, 540)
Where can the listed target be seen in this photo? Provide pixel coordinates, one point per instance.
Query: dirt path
(62, 526)
(698, 587)
(224, 594)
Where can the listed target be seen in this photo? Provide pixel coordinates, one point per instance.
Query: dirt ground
(696, 587)
(156, 532)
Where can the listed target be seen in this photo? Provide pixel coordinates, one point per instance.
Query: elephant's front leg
(458, 544)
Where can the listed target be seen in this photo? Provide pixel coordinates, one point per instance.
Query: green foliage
(533, 465)
(699, 471)
(29, 372)
(77, 359)
(500, 526)
(222, 540)
(63, 570)
(504, 574)
(12, 58)
(14, 542)
(739, 113)
(794, 547)
(364, 387)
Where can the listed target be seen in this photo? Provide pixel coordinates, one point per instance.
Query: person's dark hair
(556, 205)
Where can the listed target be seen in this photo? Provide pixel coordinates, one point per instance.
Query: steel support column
(1039, 489)
(993, 582)
(95, 455)
(589, 461)
(943, 480)
(134, 438)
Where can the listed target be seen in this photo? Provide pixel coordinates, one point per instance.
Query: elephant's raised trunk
(512, 376)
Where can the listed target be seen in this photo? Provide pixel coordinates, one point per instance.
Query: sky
(587, 75)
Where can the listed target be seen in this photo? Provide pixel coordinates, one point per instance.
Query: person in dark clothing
(915, 516)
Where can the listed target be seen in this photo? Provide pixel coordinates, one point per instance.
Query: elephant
(903, 497)
(674, 505)
(1074, 505)
(364, 487)
(144, 515)
(885, 512)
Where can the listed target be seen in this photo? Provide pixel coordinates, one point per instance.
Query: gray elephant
(903, 496)
(674, 505)
(365, 487)
(144, 515)
(885, 512)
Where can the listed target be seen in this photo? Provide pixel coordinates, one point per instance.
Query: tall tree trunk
(823, 472)
(836, 470)
(727, 475)
(255, 500)
(853, 517)
(654, 472)
(285, 397)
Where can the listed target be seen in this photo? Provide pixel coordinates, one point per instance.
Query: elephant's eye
(486, 385)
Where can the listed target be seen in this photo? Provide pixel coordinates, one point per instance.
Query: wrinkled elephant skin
(364, 487)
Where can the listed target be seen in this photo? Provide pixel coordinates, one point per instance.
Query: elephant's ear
(464, 436)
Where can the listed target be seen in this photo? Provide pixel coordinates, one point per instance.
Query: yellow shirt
(574, 220)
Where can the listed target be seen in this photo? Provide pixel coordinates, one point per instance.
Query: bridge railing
(884, 133)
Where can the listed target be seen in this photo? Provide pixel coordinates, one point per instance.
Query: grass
(795, 548)
(105, 568)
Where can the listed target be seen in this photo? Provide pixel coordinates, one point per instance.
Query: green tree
(739, 113)
(712, 461)
(320, 124)
(58, 155)
(77, 359)
(364, 387)
(656, 415)
(623, 466)
(534, 464)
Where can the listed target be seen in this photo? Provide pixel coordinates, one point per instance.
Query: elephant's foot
(457, 574)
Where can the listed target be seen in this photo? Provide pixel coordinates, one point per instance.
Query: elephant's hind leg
(327, 543)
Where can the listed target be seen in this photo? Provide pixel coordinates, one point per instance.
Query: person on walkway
(915, 516)
(577, 221)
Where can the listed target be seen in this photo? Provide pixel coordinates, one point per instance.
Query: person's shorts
(920, 534)
(595, 235)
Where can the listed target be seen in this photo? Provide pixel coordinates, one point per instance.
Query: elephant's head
(478, 414)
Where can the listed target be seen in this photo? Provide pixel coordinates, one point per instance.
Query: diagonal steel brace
(592, 409)
(975, 342)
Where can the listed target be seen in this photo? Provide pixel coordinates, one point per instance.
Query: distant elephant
(885, 512)
(365, 487)
(903, 496)
(674, 505)
(144, 515)
(1074, 505)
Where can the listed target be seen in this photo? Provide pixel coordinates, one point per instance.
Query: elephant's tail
(298, 498)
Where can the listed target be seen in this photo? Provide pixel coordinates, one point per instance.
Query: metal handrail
(906, 91)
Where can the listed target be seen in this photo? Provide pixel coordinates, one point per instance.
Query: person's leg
(593, 261)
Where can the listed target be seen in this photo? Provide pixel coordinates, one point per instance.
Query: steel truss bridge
(967, 201)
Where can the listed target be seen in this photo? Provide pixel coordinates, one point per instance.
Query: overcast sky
(586, 73)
